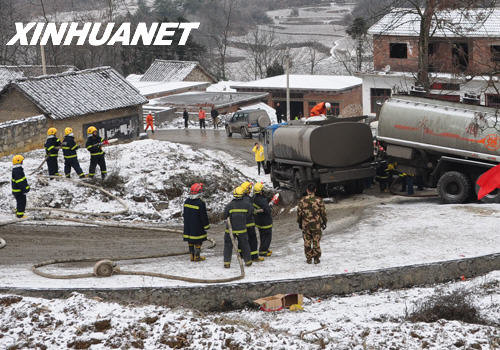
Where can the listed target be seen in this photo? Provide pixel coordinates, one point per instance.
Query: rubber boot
(248, 263)
(227, 265)
(197, 252)
(191, 251)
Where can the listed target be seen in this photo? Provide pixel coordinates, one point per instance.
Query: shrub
(456, 305)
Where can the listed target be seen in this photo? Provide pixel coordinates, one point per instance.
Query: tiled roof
(451, 23)
(78, 93)
(8, 73)
(163, 70)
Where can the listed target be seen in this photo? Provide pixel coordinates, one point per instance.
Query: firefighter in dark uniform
(195, 222)
(19, 185)
(252, 235)
(94, 146)
(263, 219)
(69, 148)
(52, 150)
(238, 211)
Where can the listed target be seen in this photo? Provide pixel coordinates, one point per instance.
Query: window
(398, 50)
(495, 53)
(460, 54)
(378, 95)
(335, 108)
(431, 48)
(493, 100)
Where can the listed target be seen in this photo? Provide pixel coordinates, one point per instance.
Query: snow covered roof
(78, 93)
(218, 99)
(450, 23)
(8, 73)
(304, 83)
(163, 70)
(148, 88)
(223, 86)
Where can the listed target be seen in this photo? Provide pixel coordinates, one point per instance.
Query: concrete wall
(22, 135)
(238, 295)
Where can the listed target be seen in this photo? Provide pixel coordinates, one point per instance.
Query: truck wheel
(454, 187)
(244, 132)
(492, 197)
(228, 132)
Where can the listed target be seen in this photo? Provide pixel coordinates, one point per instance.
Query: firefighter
(195, 222)
(52, 150)
(94, 146)
(263, 219)
(149, 123)
(252, 235)
(238, 211)
(19, 185)
(69, 148)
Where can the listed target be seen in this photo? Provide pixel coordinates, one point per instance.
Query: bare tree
(264, 48)
(219, 25)
(315, 57)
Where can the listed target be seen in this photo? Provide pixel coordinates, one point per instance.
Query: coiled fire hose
(106, 267)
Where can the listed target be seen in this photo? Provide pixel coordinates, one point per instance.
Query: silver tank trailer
(440, 126)
(341, 144)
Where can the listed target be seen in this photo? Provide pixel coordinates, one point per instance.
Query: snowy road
(214, 139)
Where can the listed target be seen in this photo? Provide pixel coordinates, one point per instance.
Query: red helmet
(196, 188)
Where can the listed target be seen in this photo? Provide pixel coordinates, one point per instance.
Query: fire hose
(106, 267)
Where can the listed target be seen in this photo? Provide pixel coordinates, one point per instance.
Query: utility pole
(288, 87)
(42, 54)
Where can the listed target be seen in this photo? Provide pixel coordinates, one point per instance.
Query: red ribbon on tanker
(439, 126)
(335, 145)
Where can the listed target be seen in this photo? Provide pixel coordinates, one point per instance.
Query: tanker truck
(330, 153)
(447, 144)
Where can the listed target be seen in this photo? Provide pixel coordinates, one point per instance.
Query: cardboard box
(279, 301)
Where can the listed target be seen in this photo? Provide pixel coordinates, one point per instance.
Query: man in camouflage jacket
(311, 217)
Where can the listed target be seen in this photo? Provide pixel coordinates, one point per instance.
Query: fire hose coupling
(105, 268)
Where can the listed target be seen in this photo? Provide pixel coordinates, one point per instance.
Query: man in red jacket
(149, 122)
(321, 109)
(201, 118)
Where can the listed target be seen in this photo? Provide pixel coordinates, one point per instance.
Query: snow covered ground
(394, 232)
(359, 321)
(153, 178)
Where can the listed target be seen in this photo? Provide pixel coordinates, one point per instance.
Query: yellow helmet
(246, 186)
(238, 192)
(68, 131)
(258, 187)
(18, 159)
(91, 130)
(52, 131)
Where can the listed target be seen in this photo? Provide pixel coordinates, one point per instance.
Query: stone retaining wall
(237, 295)
(22, 135)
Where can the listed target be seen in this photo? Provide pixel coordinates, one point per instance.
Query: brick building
(463, 52)
(99, 97)
(343, 92)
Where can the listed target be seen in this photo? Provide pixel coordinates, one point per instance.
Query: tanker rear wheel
(454, 187)
(492, 197)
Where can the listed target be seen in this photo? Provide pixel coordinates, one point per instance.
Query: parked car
(247, 122)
